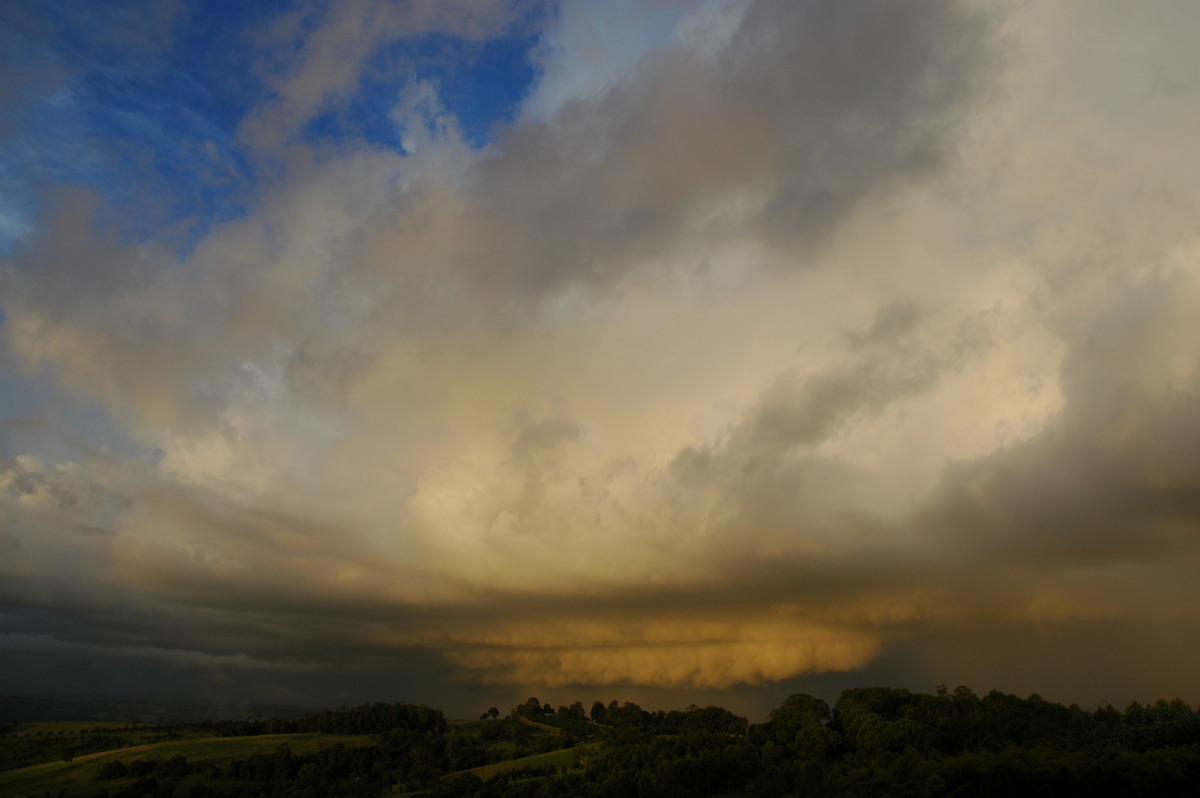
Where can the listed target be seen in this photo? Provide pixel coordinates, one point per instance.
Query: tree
(531, 708)
(598, 712)
(715, 720)
(800, 711)
(1163, 724)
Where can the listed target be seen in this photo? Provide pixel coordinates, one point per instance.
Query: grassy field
(533, 724)
(40, 742)
(558, 759)
(52, 728)
(558, 724)
(67, 732)
(54, 756)
(79, 776)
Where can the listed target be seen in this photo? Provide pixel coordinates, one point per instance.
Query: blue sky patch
(147, 107)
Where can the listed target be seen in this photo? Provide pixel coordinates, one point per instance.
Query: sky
(674, 351)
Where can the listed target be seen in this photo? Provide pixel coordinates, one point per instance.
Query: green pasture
(558, 759)
(533, 724)
(54, 728)
(79, 776)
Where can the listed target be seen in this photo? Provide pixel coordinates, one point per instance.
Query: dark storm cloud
(810, 109)
(892, 322)
(824, 336)
(1115, 477)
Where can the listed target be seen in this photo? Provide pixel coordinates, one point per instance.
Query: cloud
(770, 136)
(325, 49)
(793, 337)
(590, 47)
(1111, 479)
(763, 652)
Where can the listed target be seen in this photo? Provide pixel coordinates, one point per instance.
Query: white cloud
(595, 45)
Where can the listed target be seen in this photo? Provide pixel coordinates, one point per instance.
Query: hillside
(872, 741)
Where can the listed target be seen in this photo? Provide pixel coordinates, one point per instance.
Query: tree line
(871, 742)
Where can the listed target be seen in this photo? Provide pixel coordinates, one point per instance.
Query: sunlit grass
(80, 775)
(558, 759)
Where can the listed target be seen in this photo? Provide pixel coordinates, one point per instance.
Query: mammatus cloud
(815, 331)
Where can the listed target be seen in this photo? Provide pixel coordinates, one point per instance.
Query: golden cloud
(693, 654)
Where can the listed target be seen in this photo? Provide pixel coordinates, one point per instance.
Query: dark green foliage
(375, 718)
(18, 750)
(715, 720)
(873, 742)
(573, 712)
(1161, 725)
(530, 709)
(460, 785)
(116, 769)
